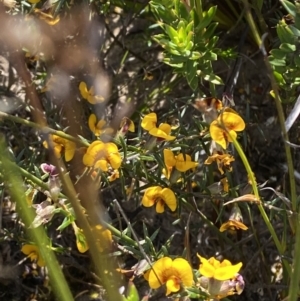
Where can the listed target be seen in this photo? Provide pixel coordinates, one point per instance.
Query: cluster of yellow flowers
(175, 164)
(217, 279)
(214, 278)
(224, 125)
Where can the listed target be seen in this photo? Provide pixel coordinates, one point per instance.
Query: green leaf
(277, 62)
(171, 31)
(189, 27)
(206, 19)
(284, 33)
(210, 56)
(214, 79)
(66, 222)
(191, 73)
(297, 60)
(278, 54)
(153, 236)
(295, 30)
(287, 47)
(210, 30)
(208, 16)
(195, 55)
(279, 78)
(182, 34)
(132, 293)
(189, 46)
(290, 7)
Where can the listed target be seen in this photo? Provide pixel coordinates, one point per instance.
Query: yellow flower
(213, 268)
(222, 160)
(101, 155)
(161, 197)
(98, 128)
(181, 162)
(89, 95)
(227, 122)
(173, 273)
(162, 132)
(217, 289)
(62, 145)
(233, 225)
(34, 254)
(235, 220)
(149, 122)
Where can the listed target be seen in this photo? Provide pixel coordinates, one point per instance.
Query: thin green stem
(14, 185)
(44, 129)
(279, 108)
(260, 206)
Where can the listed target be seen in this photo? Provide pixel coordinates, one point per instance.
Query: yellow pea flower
(227, 122)
(32, 251)
(213, 268)
(98, 128)
(174, 273)
(62, 145)
(233, 225)
(149, 121)
(89, 95)
(162, 132)
(181, 162)
(101, 155)
(161, 197)
(235, 220)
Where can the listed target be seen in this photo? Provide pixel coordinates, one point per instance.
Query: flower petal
(233, 224)
(156, 275)
(227, 272)
(206, 269)
(115, 160)
(150, 196)
(149, 121)
(232, 121)
(92, 122)
(83, 90)
(169, 198)
(172, 285)
(156, 132)
(218, 134)
(101, 164)
(169, 158)
(160, 206)
(165, 127)
(95, 150)
(70, 148)
(184, 271)
(184, 164)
